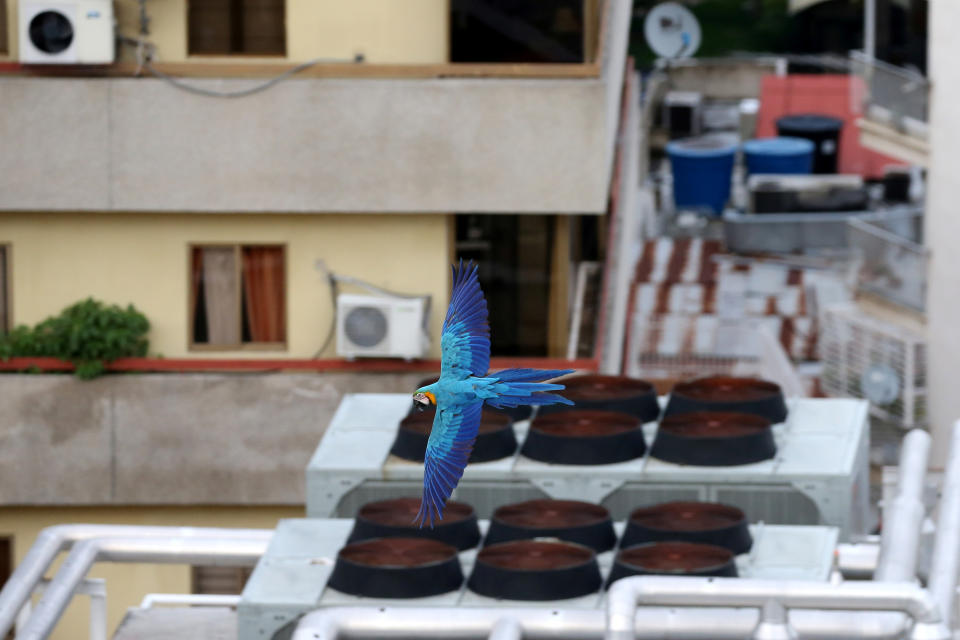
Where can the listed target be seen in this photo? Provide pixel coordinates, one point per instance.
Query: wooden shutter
(223, 27)
(220, 580)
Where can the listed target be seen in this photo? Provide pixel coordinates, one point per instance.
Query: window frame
(238, 261)
(230, 55)
(7, 558)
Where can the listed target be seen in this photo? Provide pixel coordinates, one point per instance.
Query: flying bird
(462, 389)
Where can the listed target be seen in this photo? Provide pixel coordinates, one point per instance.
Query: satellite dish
(880, 384)
(672, 31)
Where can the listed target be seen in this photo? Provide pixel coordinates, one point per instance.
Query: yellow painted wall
(127, 583)
(60, 258)
(385, 31)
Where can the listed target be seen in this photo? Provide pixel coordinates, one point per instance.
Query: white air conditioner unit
(380, 326)
(80, 32)
(878, 360)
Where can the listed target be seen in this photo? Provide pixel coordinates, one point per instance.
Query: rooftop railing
(891, 95)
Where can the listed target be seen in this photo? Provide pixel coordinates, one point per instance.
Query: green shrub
(89, 334)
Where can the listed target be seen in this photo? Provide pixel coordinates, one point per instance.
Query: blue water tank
(702, 168)
(779, 155)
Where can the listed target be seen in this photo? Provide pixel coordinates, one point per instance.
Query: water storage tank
(778, 155)
(822, 131)
(702, 168)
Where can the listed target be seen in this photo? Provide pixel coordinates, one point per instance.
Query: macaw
(462, 389)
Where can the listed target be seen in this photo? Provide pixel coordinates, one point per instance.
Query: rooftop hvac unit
(80, 32)
(818, 476)
(381, 326)
(877, 360)
(292, 576)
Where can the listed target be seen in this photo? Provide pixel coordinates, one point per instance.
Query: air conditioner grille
(365, 326)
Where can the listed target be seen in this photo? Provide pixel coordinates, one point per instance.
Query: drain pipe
(627, 594)
(52, 540)
(903, 517)
(945, 561)
(177, 550)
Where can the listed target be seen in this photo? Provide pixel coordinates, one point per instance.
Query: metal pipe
(857, 560)
(52, 540)
(190, 600)
(467, 623)
(945, 561)
(187, 550)
(870, 29)
(903, 517)
(506, 628)
(625, 595)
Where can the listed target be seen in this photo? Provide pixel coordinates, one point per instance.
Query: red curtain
(263, 288)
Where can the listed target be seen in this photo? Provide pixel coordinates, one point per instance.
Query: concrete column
(943, 225)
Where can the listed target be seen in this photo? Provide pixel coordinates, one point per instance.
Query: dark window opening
(238, 295)
(219, 580)
(4, 44)
(223, 27)
(5, 319)
(513, 255)
(516, 31)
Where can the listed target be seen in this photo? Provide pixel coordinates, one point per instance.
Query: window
(224, 27)
(4, 47)
(237, 296)
(6, 565)
(516, 31)
(5, 316)
(219, 580)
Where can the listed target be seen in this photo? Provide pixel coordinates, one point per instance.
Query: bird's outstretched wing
(449, 447)
(465, 338)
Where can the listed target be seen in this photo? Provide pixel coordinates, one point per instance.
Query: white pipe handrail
(52, 540)
(627, 594)
(945, 562)
(185, 549)
(903, 517)
(190, 600)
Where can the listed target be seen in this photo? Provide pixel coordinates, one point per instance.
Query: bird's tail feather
(528, 375)
(524, 387)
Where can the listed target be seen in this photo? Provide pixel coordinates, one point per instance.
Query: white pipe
(870, 29)
(189, 600)
(945, 561)
(187, 550)
(506, 628)
(468, 623)
(627, 594)
(903, 517)
(857, 560)
(52, 540)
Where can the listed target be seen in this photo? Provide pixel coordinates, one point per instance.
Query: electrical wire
(145, 52)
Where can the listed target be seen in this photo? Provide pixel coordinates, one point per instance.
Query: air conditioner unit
(381, 326)
(878, 360)
(80, 32)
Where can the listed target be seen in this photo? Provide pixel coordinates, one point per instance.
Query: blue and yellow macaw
(462, 389)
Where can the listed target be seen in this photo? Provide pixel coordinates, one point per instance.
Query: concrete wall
(384, 31)
(307, 145)
(144, 259)
(168, 439)
(943, 225)
(723, 78)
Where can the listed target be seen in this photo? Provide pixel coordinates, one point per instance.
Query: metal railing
(893, 95)
(890, 265)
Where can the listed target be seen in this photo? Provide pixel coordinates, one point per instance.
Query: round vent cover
(365, 326)
(51, 31)
(880, 384)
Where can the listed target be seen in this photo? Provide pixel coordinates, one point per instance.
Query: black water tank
(822, 131)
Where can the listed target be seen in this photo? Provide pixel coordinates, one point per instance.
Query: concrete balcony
(523, 142)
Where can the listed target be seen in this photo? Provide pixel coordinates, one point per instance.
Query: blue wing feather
(451, 441)
(465, 337)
